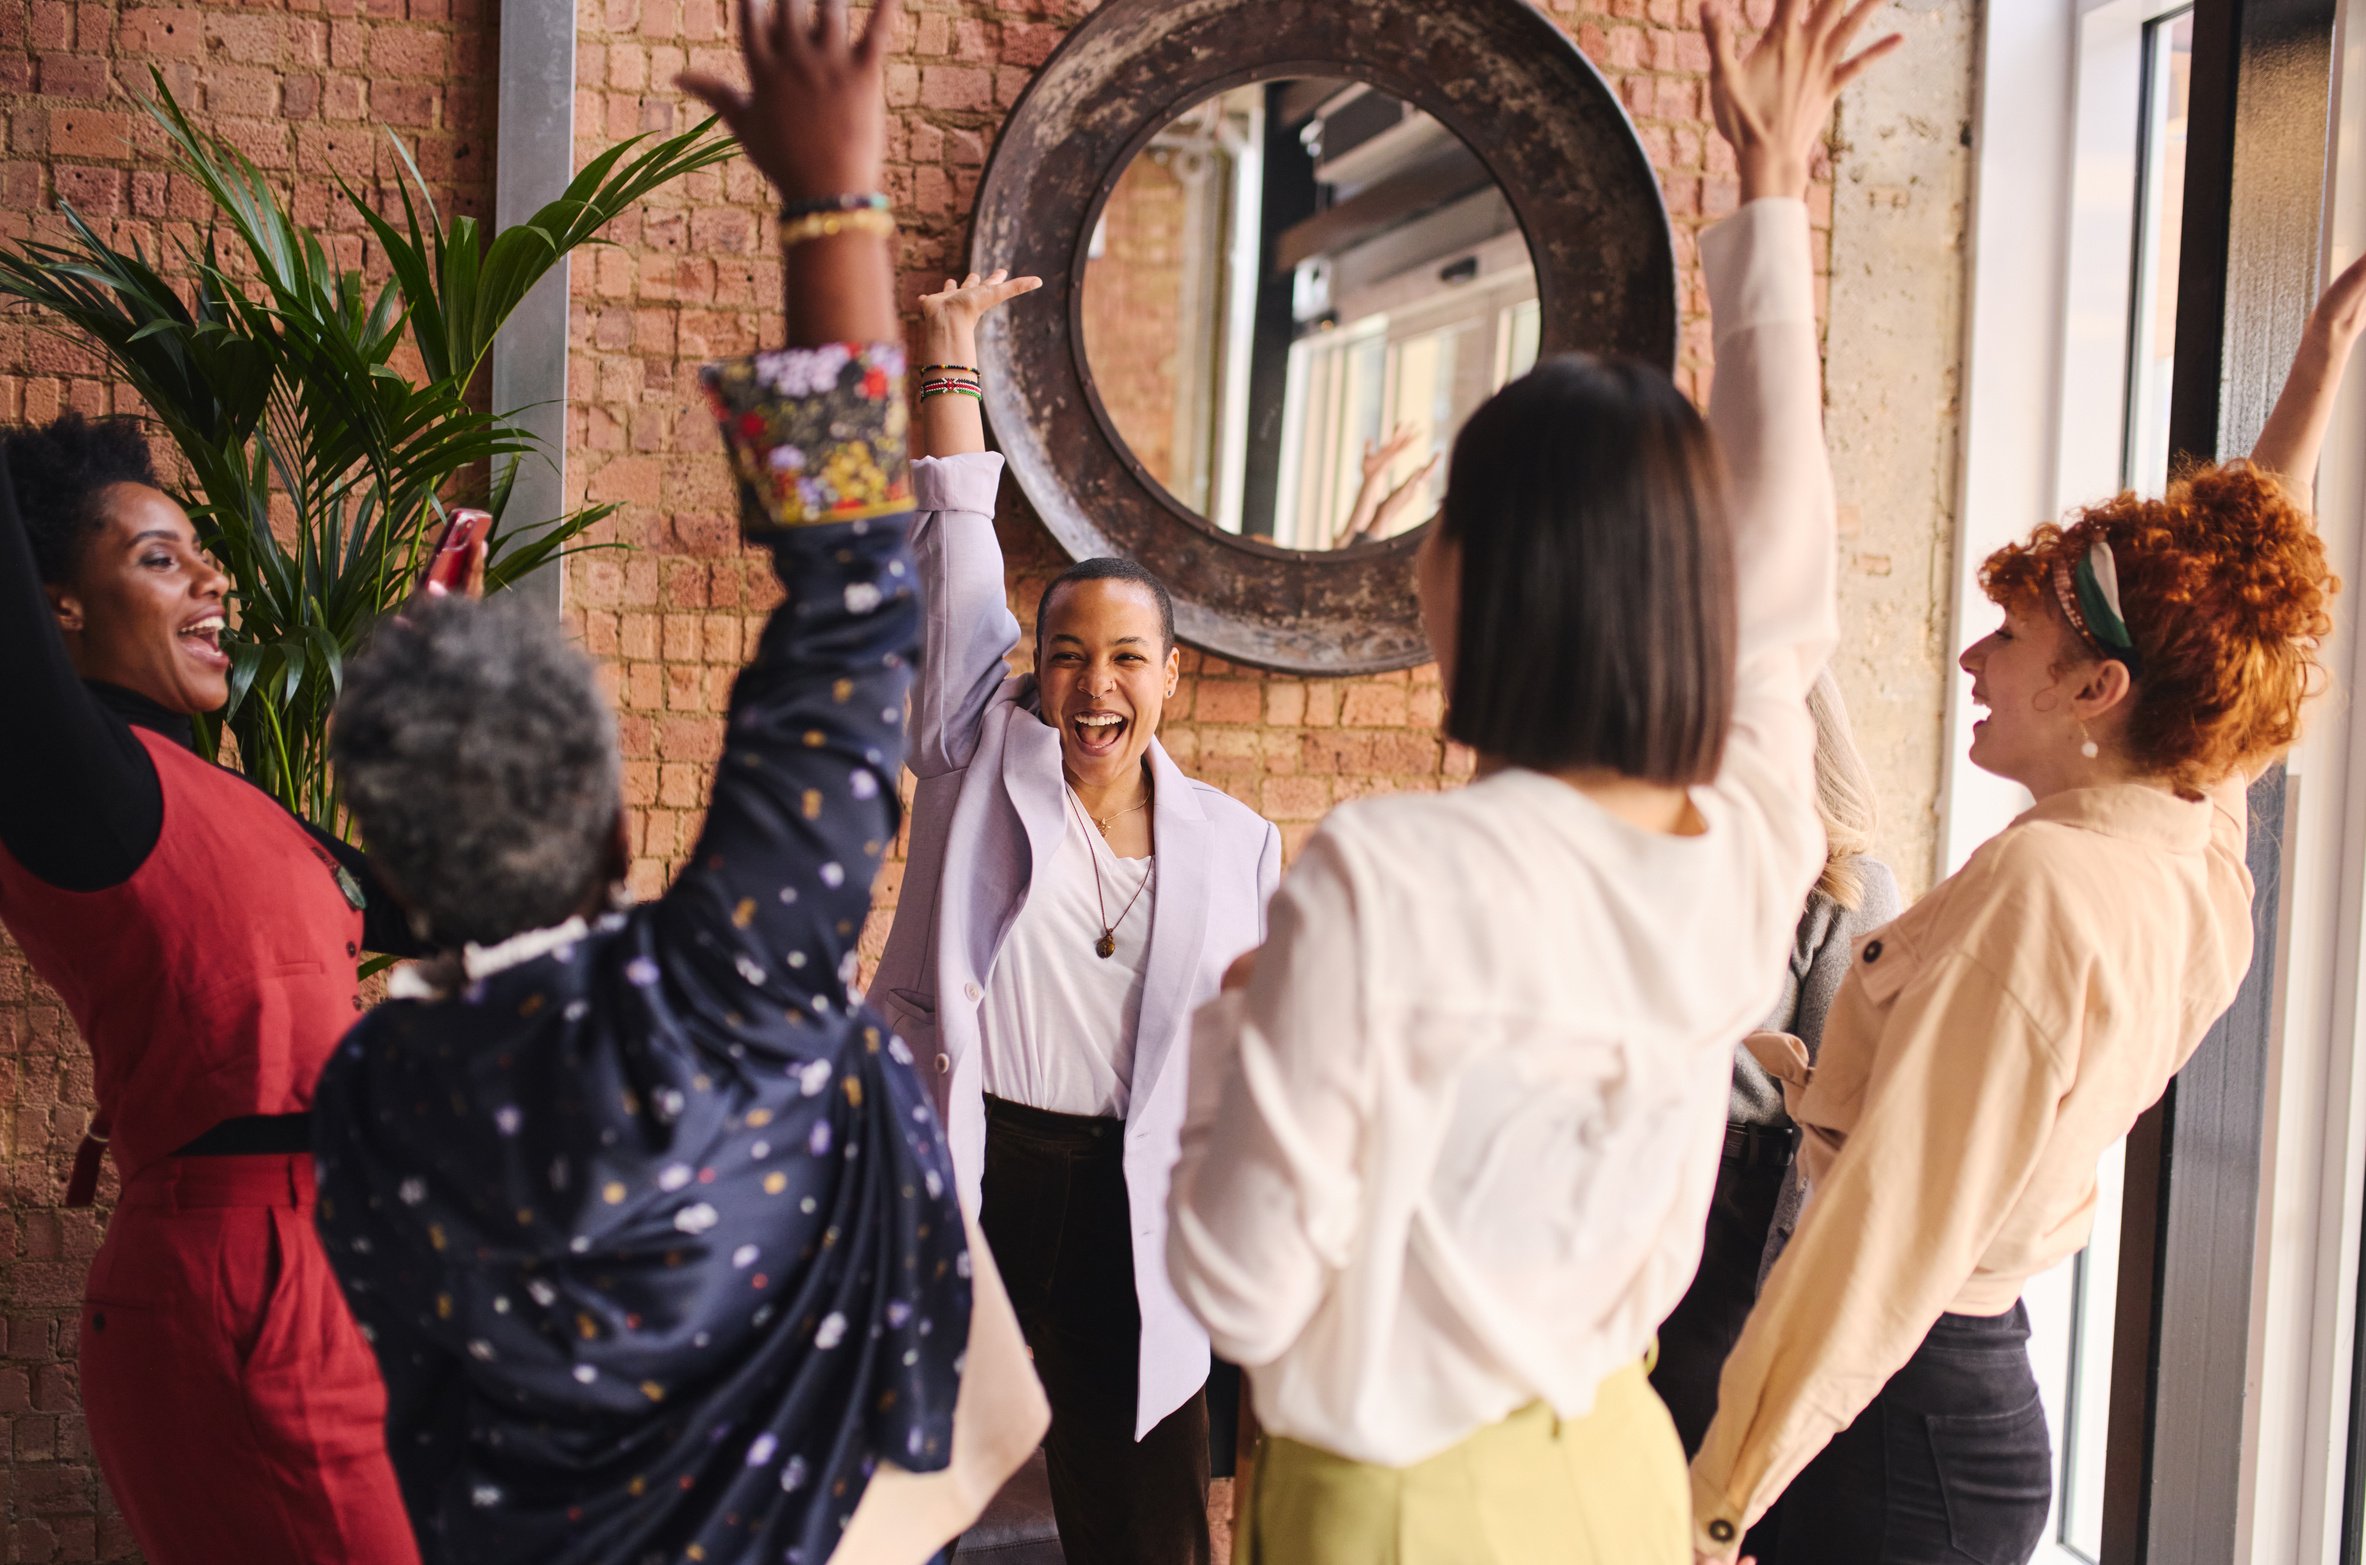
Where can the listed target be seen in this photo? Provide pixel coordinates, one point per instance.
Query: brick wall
(1132, 303)
(299, 83)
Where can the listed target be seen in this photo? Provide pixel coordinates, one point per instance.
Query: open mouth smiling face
(146, 608)
(1105, 671)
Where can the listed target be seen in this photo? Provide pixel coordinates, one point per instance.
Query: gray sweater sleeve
(1830, 964)
(1820, 956)
(1816, 993)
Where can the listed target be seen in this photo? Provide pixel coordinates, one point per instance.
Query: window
(2083, 1422)
(2076, 296)
(2152, 318)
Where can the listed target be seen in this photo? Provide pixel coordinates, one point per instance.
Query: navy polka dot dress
(653, 1230)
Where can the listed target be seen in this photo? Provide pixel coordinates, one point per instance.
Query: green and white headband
(2090, 595)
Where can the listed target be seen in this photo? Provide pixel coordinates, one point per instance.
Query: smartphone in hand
(448, 568)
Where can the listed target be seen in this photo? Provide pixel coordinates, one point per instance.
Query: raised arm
(804, 799)
(80, 806)
(2295, 431)
(969, 629)
(1766, 402)
(1378, 504)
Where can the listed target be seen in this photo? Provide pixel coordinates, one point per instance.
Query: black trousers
(1694, 1341)
(1951, 1465)
(1054, 1208)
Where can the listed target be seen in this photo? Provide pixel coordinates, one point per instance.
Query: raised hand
(1374, 510)
(813, 118)
(1378, 459)
(1776, 104)
(2295, 431)
(950, 425)
(949, 317)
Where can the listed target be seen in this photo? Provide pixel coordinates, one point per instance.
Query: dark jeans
(1054, 1209)
(1951, 1465)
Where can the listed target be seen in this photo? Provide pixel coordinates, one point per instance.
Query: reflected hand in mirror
(1292, 288)
(1377, 507)
(950, 420)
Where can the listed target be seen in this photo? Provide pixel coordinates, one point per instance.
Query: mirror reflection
(1294, 296)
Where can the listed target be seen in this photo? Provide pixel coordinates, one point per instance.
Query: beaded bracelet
(950, 380)
(795, 231)
(949, 390)
(863, 201)
(951, 369)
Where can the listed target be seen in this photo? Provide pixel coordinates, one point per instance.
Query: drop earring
(2086, 743)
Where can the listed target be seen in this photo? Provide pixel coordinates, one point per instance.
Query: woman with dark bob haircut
(1990, 1045)
(1453, 1130)
(203, 939)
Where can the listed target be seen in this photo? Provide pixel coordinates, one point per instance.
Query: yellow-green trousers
(1535, 1489)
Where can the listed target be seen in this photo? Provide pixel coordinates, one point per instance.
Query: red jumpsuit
(233, 1406)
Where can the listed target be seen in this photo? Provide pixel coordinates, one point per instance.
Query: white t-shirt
(1058, 1020)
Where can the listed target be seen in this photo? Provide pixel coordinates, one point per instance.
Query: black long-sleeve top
(649, 1222)
(80, 804)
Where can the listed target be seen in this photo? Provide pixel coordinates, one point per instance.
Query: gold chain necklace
(1106, 946)
(1103, 821)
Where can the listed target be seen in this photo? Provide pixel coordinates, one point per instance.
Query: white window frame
(2046, 358)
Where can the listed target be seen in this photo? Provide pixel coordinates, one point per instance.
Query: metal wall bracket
(534, 158)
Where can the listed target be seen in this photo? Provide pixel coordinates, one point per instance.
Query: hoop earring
(2086, 743)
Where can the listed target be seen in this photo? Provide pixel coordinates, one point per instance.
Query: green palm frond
(318, 470)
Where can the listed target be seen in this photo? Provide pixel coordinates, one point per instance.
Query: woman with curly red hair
(1993, 1042)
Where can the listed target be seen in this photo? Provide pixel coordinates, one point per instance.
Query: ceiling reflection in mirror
(1294, 296)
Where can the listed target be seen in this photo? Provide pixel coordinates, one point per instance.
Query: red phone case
(448, 570)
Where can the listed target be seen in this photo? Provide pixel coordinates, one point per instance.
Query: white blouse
(1058, 1022)
(1452, 1150)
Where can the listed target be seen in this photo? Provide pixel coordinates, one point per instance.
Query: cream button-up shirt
(1452, 1151)
(1987, 1049)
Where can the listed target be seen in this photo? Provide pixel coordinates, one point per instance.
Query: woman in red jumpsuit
(204, 941)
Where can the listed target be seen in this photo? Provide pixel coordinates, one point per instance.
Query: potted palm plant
(319, 468)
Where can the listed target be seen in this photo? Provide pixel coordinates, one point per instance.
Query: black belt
(252, 1134)
(1757, 1146)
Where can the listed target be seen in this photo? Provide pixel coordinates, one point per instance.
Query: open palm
(949, 317)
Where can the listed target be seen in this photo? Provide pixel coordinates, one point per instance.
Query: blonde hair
(1844, 795)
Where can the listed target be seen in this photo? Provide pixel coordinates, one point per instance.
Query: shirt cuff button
(1721, 1530)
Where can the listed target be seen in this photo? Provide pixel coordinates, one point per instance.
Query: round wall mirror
(1287, 249)
(1293, 297)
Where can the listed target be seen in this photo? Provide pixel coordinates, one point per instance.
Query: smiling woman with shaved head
(1071, 897)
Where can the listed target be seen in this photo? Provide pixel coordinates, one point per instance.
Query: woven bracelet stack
(950, 380)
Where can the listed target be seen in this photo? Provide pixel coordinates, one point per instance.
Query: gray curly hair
(479, 758)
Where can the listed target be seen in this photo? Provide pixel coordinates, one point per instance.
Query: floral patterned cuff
(815, 435)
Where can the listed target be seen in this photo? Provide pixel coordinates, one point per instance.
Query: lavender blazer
(991, 806)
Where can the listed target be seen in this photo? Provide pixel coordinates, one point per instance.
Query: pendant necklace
(1104, 821)
(1106, 946)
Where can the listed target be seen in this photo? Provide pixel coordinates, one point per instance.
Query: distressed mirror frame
(1505, 79)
